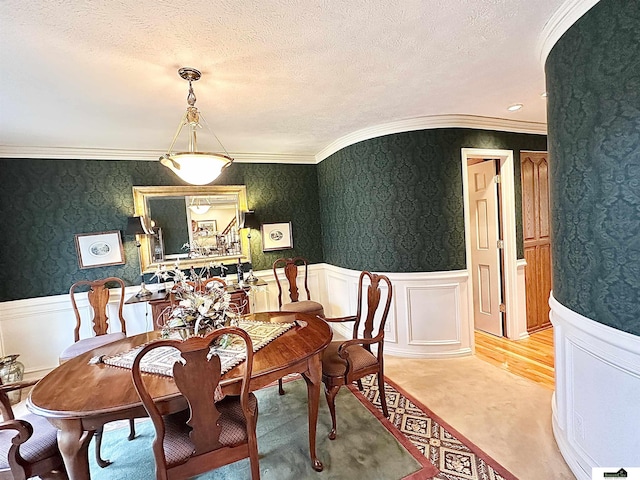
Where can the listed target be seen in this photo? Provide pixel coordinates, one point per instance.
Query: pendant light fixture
(196, 168)
(196, 205)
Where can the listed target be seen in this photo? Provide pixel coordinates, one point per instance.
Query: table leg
(73, 442)
(313, 377)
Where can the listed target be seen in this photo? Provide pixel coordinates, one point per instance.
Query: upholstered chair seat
(29, 443)
(304, 306)
(207, 434)
(98, 298)
(87, 344)
(350, 360)
(42, 444)
(290, 267)
(334, 366)
(177, 444)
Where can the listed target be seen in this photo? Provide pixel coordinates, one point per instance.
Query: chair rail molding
(429, 315)
(595, 414)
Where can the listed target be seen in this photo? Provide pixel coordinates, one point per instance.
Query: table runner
(161, 360)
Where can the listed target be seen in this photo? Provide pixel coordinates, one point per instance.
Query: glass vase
(11, 370)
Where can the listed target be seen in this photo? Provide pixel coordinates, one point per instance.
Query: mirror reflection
(198, 225)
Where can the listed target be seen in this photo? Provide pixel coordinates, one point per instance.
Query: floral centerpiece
(196, 310)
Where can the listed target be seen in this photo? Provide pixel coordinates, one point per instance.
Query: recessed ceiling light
(544, 94)
(514, 107)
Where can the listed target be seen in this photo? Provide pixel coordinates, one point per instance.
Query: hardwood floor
(531, 358)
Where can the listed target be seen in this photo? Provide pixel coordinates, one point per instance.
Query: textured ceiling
(280, 77)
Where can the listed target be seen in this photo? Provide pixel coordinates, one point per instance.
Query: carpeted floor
(452, 454)
(364, 448)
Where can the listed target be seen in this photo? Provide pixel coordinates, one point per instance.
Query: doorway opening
(486, 245)
(512, 321)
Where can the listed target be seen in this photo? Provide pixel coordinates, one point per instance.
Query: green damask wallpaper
(593, 80)
(394, 203)
(170, 214)
(46, 202)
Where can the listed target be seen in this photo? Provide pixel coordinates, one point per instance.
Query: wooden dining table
(79, 396)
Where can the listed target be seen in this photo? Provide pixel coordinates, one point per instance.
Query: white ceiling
(281, 78)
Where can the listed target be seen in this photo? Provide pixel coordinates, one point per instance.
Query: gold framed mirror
(195, 225)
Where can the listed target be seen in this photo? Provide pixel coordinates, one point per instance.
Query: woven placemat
(160, 360)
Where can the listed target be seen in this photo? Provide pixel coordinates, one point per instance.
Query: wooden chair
(291, 272)
(29, 444)
(98, 296)
(347, 361)
(207, 434)
(295, 305)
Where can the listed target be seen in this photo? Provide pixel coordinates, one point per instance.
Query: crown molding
(563, 18)
(273, 158)
(77, 153)
(411, 124)
(431, 122)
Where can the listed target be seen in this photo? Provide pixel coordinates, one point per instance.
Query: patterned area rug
(455, 457)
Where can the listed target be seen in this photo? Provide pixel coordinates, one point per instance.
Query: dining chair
(28, 444)
(291, 266)
(208, 434)
(347, 361)
(98, 297)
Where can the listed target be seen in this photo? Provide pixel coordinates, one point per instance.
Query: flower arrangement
(196, 310)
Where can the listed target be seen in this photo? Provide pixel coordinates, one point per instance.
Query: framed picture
(99, 249)
(210, 225)
(276, 236)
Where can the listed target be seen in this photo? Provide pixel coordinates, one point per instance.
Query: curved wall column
(596, 419)
(593, 85)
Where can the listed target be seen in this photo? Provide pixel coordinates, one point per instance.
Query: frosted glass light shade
(199, 209)
(196, 168)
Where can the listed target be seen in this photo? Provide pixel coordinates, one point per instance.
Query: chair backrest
(374, 295)
(197, 375)
(291, 272)
(98, 296)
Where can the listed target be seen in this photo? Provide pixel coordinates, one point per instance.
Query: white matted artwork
(99, 249)
(276, 236)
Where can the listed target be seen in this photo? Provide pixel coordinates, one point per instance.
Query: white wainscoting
(429, 316)
(596, 419)
(40, 328)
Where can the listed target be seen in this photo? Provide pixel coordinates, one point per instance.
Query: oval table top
(80, 390)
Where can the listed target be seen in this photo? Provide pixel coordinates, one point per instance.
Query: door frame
(514, 322)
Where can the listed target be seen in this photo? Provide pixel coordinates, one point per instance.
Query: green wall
(593, 82)
(46, 202)
(394, 203)
(170, 214)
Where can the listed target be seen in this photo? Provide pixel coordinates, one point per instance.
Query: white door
(485, 254)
